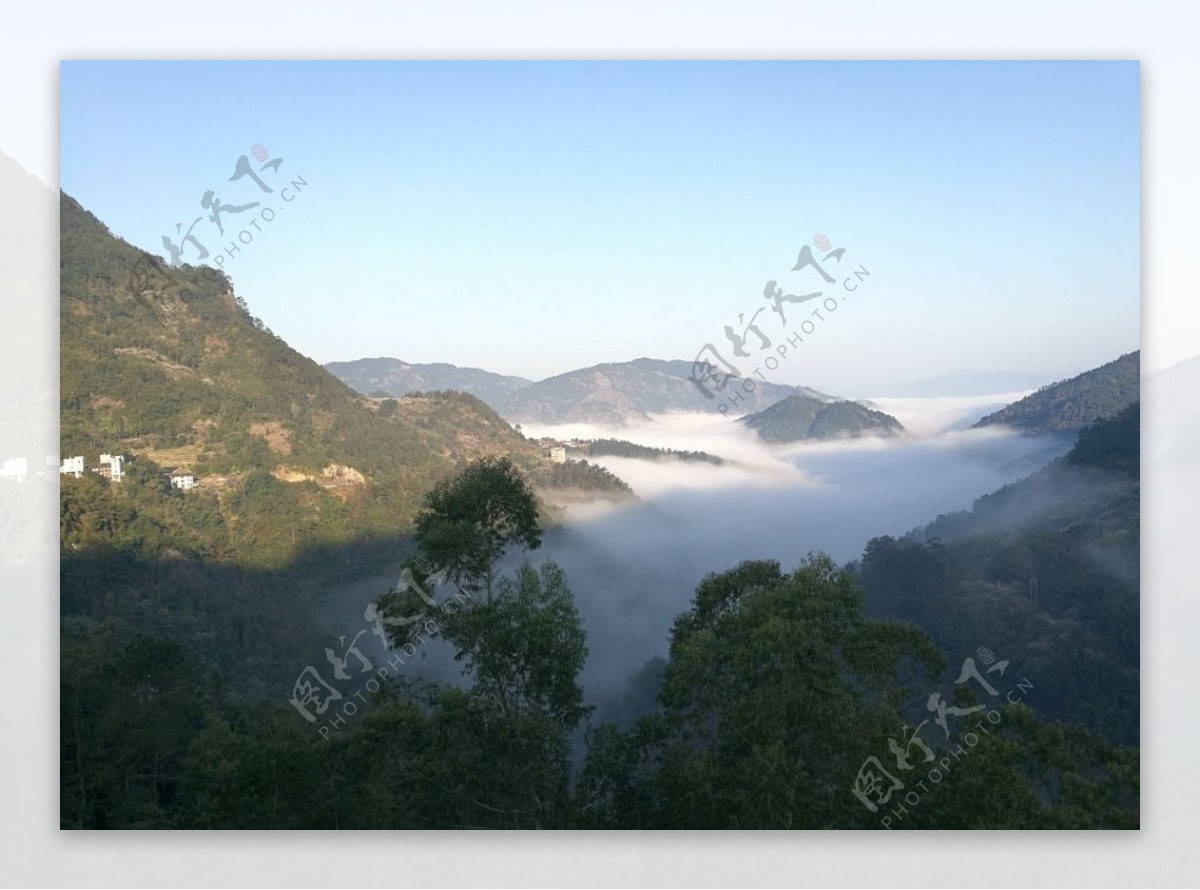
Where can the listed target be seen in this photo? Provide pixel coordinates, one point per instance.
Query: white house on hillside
(115, 464)
(72, 466)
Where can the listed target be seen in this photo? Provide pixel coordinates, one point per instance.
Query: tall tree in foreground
(525, 649)
(470, 519)
(496, 754)
(776, 691)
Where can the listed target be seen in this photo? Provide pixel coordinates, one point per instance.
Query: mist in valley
(633, 566)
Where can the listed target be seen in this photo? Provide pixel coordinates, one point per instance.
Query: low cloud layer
(927, 417)
(633, 568)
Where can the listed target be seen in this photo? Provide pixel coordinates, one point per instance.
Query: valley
(961, 529)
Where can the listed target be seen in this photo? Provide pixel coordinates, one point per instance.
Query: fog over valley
(633, 566)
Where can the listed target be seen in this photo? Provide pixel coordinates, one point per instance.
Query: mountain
(1072, 404)
(167, 366)
(616, 393)
(372, 376)
(800, 417)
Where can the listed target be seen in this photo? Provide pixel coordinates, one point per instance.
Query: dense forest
(1073, 404)
(581, 475)
(1046, 569)
(621, 448)
(801, 417)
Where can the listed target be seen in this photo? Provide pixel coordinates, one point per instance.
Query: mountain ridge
(1071, 404)
(798, 418)
(396, 377)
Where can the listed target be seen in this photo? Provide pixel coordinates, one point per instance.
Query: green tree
(274, 777)
(777, 687)
(777, 691)
(127, 721)
(468, 520)
(525, 648)
(496, 755)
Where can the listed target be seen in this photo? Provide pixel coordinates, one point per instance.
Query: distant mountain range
(1070, 405)
(393, 377)
(617, 393)
(613, 393)
(798, 418)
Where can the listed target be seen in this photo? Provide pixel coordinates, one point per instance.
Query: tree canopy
(471, 518)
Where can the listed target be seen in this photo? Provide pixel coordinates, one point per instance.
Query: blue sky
(531, 218)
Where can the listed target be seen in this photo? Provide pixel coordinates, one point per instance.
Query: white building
(183, 481)
(558, 455)
(72, 466)
(115, 463)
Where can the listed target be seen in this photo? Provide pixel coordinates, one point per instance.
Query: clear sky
(530, 218)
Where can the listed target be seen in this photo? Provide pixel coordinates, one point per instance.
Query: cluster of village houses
(551, 449)
(112, 466)
(556, 449)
